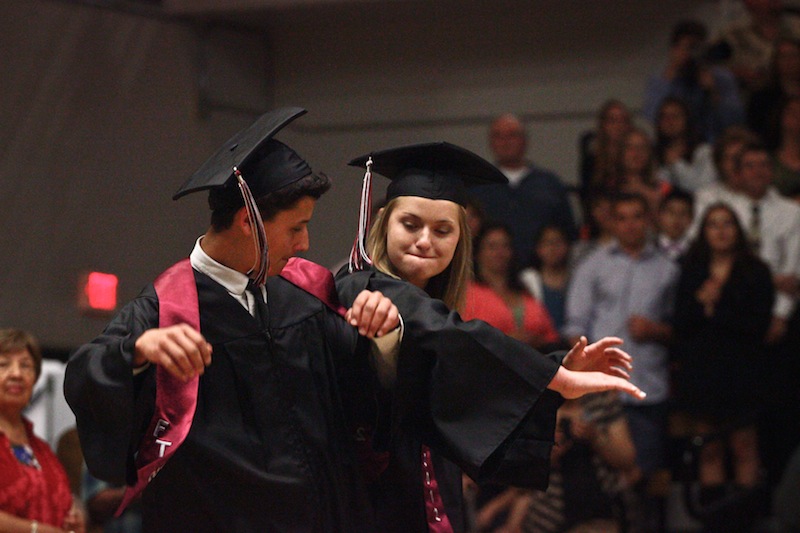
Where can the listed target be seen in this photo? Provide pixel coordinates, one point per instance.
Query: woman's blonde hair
(450, 286)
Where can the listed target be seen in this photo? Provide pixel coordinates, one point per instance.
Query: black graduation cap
(265, 164)
(258, 165)
(437, 170)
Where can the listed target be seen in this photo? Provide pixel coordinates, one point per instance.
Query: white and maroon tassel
(261, 265)
(359, 258)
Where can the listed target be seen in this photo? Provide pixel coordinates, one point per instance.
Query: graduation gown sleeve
(103, 393)
(471, 393)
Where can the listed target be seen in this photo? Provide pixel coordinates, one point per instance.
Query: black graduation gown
(269, 448)
(475, 396)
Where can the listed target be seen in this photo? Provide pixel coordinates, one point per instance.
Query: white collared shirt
(232, 280)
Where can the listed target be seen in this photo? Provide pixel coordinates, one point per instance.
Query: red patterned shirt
(42, 493)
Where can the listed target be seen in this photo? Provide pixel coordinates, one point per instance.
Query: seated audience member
(726, 151)
(102, 501)
(674, 220)
(752, 40)
(709, 89)
(533, 197)
(637, 174)
(593, 469)
(600, 148)
(34, 490)
(763, 106)
(497, 297)
(547, 277)
(722, 313)
(598, 229)
(786, 157)
(70, 455)
(683, 160)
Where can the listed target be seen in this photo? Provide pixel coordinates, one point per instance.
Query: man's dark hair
(226, 201)
(731, 135)
(688, 28)
(753, 146)
(679, 195)
(629, 197)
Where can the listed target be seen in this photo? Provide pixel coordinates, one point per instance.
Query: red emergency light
(98, 292)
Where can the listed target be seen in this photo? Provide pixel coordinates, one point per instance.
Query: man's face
(630, 224)
(755, 173)
(507, 141)
(674, 218)
(727, 165)
(287, 233)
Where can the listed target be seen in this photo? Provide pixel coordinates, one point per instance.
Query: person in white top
(674, 219)
(726, 150)
(683, 159)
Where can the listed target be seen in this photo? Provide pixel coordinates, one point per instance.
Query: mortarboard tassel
(261, 266)
(359, 258)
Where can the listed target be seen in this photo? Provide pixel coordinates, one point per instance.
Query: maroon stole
(434, 506)
(175, 400)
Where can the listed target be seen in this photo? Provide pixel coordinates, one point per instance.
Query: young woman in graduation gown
(464, 396)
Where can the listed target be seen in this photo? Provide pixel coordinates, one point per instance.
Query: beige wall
(99, 117)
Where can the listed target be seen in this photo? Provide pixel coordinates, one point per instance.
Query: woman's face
(17, 376)
(720, 231)
(552, 248)
(635, 153)
(616, 123)
(672, 121)
(494, 252)
(421, 237)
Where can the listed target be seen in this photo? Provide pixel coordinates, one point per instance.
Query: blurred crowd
(685, 244)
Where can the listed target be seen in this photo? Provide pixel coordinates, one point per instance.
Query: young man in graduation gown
(465, 396)
(267, 369)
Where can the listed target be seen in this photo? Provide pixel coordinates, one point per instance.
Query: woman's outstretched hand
(601, 356)
(573, 384)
